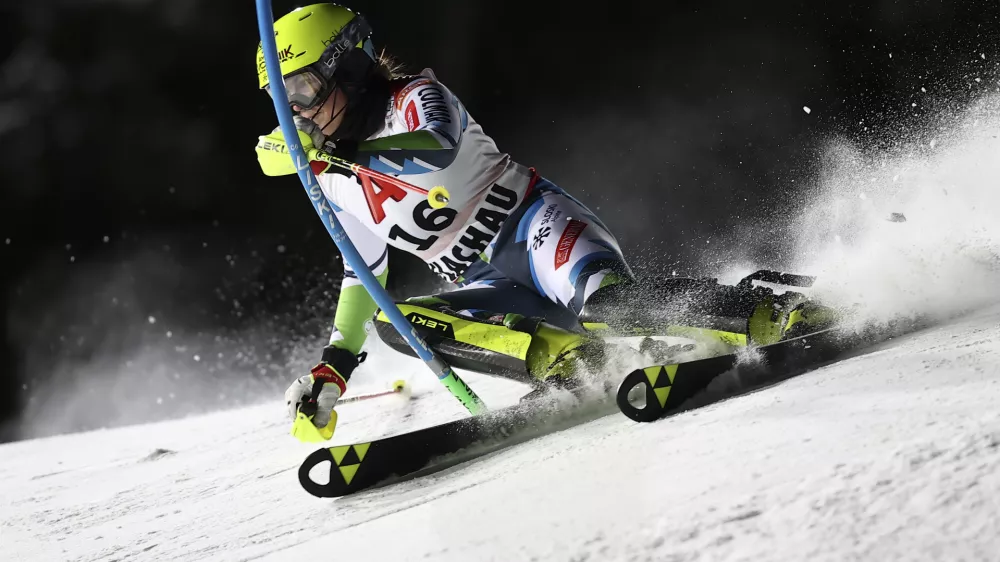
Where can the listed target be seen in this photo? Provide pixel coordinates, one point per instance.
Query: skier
(531, 262)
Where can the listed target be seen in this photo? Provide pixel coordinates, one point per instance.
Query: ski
(654, 392)
(358, 466)
(663, 390)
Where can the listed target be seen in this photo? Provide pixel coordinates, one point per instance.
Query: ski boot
(557, 358)
(785, 316)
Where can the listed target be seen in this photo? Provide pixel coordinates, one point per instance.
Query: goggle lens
(304, 89)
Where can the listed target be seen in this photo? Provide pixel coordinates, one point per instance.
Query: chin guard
(304, 430)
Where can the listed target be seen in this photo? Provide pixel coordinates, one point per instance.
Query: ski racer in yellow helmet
(529, 261)
(328, 64)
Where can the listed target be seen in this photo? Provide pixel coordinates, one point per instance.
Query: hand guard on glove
(311, 398)
(272, 150)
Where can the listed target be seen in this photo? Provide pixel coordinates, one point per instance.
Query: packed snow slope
(889, 455)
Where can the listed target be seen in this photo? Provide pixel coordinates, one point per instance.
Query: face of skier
(329, 114)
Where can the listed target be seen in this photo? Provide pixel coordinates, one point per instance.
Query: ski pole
(325, 209)
(437, 196)
(398, 387)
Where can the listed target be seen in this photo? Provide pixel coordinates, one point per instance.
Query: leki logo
(267, 144)
(438, 326)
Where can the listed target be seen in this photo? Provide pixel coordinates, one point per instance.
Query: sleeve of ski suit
(434, 122)
(355, 306)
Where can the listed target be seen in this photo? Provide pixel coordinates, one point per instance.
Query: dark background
(150, 270)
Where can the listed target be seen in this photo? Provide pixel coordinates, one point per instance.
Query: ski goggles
(307, 87)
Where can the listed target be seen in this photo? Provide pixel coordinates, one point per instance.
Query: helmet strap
(331, 97)
(356, 31)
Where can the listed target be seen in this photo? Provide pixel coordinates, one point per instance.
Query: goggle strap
(353, 33)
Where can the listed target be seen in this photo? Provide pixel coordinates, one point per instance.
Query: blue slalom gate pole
(325, 210)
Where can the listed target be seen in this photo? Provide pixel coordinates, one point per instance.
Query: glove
(272, 150)
(311, 398)
(344, 149)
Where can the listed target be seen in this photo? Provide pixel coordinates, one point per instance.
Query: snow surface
(893, 454)
(890, 455)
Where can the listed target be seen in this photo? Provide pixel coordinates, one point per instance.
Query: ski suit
(510, 240)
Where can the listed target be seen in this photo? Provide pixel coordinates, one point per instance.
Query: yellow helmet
(311, 42)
